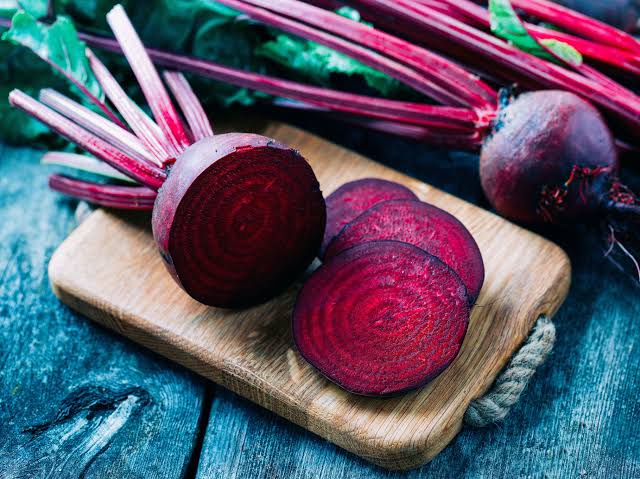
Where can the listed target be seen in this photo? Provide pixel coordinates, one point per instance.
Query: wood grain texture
(76, 400)
(109, 270)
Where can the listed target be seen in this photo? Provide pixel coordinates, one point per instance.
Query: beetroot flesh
(551, 158)
(238, 219)
(354, 198)
(381, 318)
(423, 225)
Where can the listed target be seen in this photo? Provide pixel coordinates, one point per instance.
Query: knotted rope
(505, 392)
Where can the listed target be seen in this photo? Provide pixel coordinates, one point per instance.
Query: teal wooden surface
(78, 401)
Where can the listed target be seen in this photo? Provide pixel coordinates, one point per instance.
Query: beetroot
(381, 318)
(423, 225)
(355, 197)
(550, 158)
(236, 217)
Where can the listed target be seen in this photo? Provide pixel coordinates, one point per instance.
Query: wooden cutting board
(109, 270)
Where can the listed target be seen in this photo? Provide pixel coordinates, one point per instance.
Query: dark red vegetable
(420, 224)
(381, 318)
(237, 217)
(355, 197)
(551, 158)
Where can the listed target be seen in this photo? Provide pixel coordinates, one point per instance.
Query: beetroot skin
(551, 158)
(355, 197)
(422, 225)
(381, 318)
(238, 218)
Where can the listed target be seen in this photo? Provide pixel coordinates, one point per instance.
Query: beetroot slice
(422, 225)
(353, 198)
(239, 217)
(381, 318)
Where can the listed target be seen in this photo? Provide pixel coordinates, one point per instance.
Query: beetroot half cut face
(381, 318)
(423, 225)
(353, 198)
(239, 217)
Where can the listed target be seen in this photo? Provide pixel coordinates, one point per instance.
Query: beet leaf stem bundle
(236, 217)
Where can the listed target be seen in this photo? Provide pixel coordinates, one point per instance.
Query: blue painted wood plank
(75, 399)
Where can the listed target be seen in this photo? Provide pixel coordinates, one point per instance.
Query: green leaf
(36, 8)
(350, 13)
(564, 51)
(20, 68)
(16, 127)
(319, 63)
(58, 45)
(506, 24)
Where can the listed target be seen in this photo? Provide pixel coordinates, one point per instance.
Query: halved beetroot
(422, 225)
(381, 318)
(238, 219)
(353, 198)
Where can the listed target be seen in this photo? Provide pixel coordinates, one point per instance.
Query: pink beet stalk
(189, 104)
(143, 126)
(99, 125)
(404, 112)
(292, 15)
(434, 118)
(152, 87)
(451, 139)
(111, 196)
(146, 174)
(578, 23)
(459, 35)
(471, 13)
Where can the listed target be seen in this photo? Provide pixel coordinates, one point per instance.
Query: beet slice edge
(355, 197)
(423, 225)
(381, 318)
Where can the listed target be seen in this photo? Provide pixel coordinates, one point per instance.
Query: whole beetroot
(551, 158)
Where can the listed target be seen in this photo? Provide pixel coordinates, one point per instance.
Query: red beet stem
(143, 126)
(578, 23)
(381, 318)
(97, 124)
(189, 104)
(148, 79)
(584, 69)
(447, 118)
(112, 196)
(149, 175)
(450, 139)
(469, 12)
(490, 48)
(460, 86)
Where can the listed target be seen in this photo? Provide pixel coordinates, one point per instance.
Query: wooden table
(79, 401)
